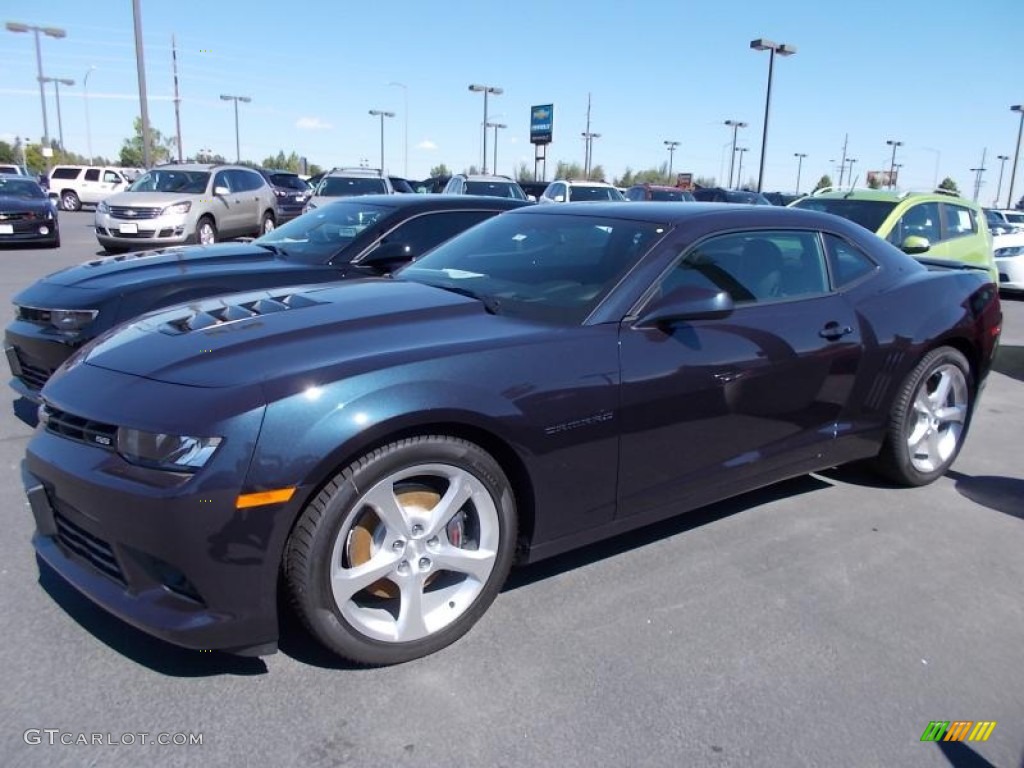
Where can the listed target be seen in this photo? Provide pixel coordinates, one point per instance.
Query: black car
(350, 238)
(721, 195)
(384, 449)
(401, 186)
(27, 215)
(291, 193)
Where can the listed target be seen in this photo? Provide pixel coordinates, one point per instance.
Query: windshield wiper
(491, 303)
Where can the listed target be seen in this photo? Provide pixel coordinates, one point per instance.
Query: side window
(65, 173)
(221, 180)
(431, 229)
(254, 180)
(958, 220)
(754, 266)
(921, 220)
(111, 177)
(846, 262)
(92, 174)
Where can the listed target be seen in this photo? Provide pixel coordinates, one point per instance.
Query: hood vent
(231, 313)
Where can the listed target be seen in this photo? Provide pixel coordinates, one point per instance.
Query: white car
(1009, 253)
(574, 190)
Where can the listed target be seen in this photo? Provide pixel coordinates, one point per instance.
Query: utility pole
(978, 174)
(177, 98)
(141, 64)
(999, 189)
(587, 137)
(842, 163)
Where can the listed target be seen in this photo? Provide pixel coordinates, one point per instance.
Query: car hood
(313, 332)
(20, 205)
(120, 273)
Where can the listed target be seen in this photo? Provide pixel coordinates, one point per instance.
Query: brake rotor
(366, 535)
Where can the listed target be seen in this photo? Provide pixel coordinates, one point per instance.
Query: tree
(949, 185)
(440, 170)
(471, 171)
(283, 162)
(7, 153)
(314, 169)
(625, 180)
(824, 181)
(524, 172)
(159, 149)
(202, 157)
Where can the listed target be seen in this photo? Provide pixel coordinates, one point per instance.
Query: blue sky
(938, 76)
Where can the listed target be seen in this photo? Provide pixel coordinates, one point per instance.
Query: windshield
(671, 194)
(23, 188)
(549, 268)
(191, 182)
(868, 213)
(577, 192)
(316, 237)
(495, 189)
(346, 186)
(288, 181)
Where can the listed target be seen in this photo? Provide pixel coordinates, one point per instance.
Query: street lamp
(671, 152)
(588, 138)
(381, 114)
(892, 163)
(236, 99)
(56, 32)
(851, 161)
(1002, 164)
(1016, 155)
(735, 125)
(485, 90)
(405, 118)
(739, 172)
(88, 129)
(495, 126)
(57, 83)
(799, 166)
(761, 44)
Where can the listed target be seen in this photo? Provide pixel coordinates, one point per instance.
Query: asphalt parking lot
(822, 622)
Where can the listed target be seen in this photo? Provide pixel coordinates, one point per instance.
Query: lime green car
(934, 225)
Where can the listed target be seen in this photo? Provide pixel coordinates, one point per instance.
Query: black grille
(33, 375)
(79, 429)
(197, 321)
(18, 216)
(128, 213)
(131, 235)
(90, 548)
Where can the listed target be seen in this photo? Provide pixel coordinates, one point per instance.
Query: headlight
(102, 207)
(72, 319)
(1013, 250)
(170, 452)
(184, 207)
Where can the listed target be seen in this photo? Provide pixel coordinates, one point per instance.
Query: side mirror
(221, 191)
(115, 182)
(915, 244)
(532, 198)
(387, 257)
(686, 303)
(559, 198)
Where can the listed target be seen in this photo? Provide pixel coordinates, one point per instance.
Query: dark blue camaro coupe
(385, 449)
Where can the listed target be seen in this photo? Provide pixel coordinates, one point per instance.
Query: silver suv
(191, 203)
(348, 182)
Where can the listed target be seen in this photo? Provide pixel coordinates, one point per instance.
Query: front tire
(69, 201)
(206, 231)
(929, 419)
(403, 551)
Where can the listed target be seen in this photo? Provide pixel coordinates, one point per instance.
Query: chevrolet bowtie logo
(129, 212)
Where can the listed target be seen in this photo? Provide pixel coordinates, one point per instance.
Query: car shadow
(1003, 494)
(960, 755)
(1010, 362)
(26, 411)
(136, 645)
(859, 473)
(617, 545)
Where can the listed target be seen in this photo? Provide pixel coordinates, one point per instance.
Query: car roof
(890, 196)
(485, 177)
(369, 172)
(667, 212)
(440, 201)
(584, 183)
(648, 185)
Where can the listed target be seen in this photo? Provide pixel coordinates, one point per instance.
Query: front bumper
(1011, 273)
(34, 352)
(167, 553)
(33, 230)
(166, 229)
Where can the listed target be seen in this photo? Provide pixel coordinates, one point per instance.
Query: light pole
(739, 171)
(57, 83)
(761, 44)
(88, 129)
(496, 126)
(485, 90)
(735, 125)
(381, 114)
(999, 188)
(56, 32)
(588, 138)
(405, 118)
(236, 99)
(671, 152)
(851, 161)
(892, 163)
(1016, 154)
(799, 166)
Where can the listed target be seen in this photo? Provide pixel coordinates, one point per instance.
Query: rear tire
(69, 200)
(268, 224)
(929, 419)
(403, 550)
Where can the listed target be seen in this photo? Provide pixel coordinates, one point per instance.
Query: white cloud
(426, 144)
(312, 124)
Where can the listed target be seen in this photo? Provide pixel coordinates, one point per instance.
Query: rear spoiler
(944, 264)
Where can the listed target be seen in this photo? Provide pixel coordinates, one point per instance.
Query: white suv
(573, 190)
(348, 182)
(75, 185)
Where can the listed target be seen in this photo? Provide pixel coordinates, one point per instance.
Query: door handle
(833, 331)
